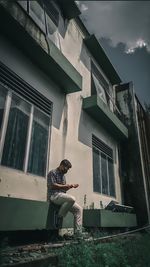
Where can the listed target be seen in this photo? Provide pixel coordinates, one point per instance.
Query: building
(60, 98)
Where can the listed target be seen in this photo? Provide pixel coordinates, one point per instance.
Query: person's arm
(61, 186)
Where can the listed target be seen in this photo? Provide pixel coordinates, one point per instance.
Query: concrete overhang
(69, 8)
(52, 62)
(98, 110)
(99, 55)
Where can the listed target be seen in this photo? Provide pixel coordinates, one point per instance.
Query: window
(36, 11)
(39, 143)
(16, 134)
(25, 123)
(103, 169)
(99, 85)
(43, 12)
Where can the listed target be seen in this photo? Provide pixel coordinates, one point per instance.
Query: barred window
(103, 168)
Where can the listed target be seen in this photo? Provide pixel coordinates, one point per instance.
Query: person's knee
(80, 210)
(71, 199)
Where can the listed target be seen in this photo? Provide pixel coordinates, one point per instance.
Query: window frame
(108, 158)
(4, 125)
(102, 81)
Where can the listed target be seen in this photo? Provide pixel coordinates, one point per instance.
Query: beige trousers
(67, 203)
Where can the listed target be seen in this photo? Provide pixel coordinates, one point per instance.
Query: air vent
(18, 85)
(97, 143)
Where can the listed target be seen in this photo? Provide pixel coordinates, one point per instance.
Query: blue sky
(123, 29)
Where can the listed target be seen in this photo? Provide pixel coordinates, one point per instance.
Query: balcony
(27, 36)
(101, 58)
(100, 112)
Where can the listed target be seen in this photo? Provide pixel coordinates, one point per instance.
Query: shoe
(81, 235)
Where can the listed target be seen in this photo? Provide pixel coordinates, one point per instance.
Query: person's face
(64, 169)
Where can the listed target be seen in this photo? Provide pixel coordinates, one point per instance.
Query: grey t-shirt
(55, 176)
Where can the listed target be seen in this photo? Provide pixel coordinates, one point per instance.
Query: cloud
(126, 22)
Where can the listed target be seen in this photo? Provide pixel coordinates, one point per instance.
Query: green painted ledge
(101, 58)
(50, 59)
(105, 218)
(97, 109)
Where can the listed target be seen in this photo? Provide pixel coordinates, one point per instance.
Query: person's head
(65, 165)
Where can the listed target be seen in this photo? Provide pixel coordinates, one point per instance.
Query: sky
(123, 30)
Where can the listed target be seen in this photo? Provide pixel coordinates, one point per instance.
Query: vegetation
(119, 253)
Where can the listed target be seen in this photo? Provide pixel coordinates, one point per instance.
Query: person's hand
(75, 185)
(68, 186)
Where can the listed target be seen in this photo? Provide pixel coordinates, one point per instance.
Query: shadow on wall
(58, 107)
(85, 133)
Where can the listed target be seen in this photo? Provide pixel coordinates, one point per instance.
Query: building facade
(58, 100)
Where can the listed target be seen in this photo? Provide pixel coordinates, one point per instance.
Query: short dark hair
(66, 163)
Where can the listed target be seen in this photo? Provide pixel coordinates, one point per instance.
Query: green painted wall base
(22, 214)
(105, 218)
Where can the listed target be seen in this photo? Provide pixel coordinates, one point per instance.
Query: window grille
(18, 85)
(96, 142)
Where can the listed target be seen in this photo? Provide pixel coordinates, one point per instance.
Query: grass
(119, 253)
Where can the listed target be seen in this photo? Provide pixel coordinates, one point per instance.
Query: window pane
(23, 4)
(3, 93)
(111, 178)
(104, 174)
(51, 12)
(39, 143)
(99, 89)
(37, 13)
(96, 171)
(16, 134)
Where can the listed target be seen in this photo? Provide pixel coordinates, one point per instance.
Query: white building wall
(72, 128)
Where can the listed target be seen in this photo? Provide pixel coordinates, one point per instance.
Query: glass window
(37, 13)
(99, 89)
(16, 134)
(51, 11)
(103, 172)
(96, 171)
(3, 93)
(111, 177)
(39, 143)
